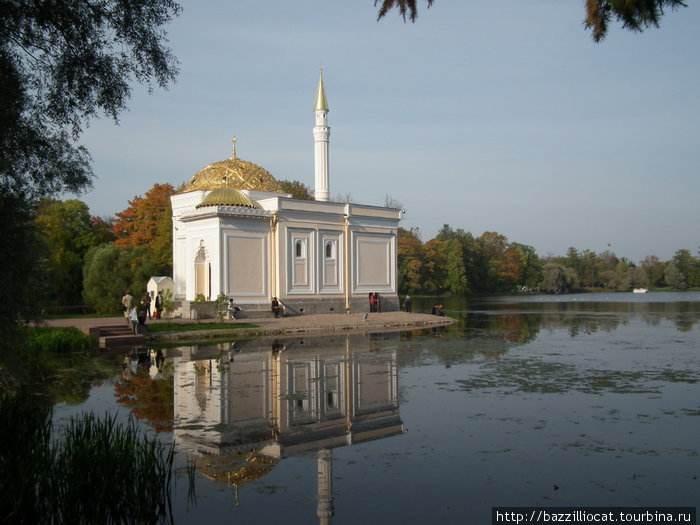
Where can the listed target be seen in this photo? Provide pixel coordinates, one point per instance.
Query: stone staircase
(117, 335)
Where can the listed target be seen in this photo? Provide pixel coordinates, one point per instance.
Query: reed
(25, 457)
(96, 471)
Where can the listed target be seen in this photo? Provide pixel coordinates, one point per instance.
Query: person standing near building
(147, 304)
(275, 307)
(407, 303)
(159, 304)
(127, 303)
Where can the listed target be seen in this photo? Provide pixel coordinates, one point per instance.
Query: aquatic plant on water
(95, 471)
(52, 340)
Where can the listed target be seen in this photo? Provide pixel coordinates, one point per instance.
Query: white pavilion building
(235, 233)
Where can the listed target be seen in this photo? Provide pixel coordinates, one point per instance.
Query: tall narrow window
(329, 250)
(299, 249)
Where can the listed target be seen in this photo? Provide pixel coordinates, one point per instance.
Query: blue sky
(487, 116)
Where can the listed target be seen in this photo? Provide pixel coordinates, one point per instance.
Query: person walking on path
(134, 316)
(127, 303)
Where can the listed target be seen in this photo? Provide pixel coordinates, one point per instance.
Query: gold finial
(234, 148)
(321, 103)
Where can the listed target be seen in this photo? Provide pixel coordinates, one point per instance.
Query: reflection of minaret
(324, 509)
(321, 135)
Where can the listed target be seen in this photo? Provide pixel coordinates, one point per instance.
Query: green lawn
(193, 327)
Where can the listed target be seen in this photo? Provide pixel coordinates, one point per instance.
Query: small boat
(640, 290)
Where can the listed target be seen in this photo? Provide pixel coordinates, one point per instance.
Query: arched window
(299, 249)
(329, 249)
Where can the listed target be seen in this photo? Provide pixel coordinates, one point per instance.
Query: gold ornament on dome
(233, 173)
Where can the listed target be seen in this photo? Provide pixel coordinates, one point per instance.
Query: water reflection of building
(242, 408)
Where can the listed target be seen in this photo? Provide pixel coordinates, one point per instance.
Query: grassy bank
(196, 327)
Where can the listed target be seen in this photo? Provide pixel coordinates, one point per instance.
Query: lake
(569, 400)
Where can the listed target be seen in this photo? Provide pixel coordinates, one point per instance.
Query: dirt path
(317, 323)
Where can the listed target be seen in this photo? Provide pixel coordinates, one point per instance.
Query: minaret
(321, 134)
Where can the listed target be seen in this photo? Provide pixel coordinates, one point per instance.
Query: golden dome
(233, 173)
(227, 197)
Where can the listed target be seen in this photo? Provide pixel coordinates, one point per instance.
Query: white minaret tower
(321, 134)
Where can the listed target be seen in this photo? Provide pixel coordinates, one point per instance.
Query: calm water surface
(586, 400)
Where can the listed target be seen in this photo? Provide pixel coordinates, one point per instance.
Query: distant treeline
(91, 261)
(456, 262)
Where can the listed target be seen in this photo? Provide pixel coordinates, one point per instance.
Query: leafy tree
(557, 278)
(674, 277)
(297, 189)
(502, 263)
(148, 222)
(636, 278)
(435, 267)
(634, 15)
(654, 269)
(618, 278)
(410, 260)
(456, 278)
(530, 263)
(103, 229)
(110, 270)
(688, 266)
(68, 233)
(63, 64)
(590, 269)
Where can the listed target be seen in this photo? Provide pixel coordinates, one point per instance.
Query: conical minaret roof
(321, 103)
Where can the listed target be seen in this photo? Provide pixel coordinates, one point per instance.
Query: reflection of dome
(238, 469)
(233, 173)
(227, 197)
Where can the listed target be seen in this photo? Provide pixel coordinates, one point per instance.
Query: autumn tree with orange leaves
(148, 222)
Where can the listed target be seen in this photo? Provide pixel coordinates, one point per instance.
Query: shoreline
(313, 324)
